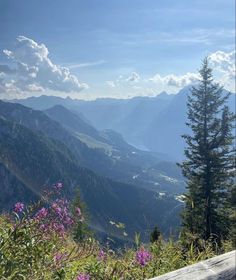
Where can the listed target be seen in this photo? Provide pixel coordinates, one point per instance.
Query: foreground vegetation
(49, 240)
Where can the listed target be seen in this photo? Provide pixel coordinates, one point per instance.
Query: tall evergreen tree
(210, 159)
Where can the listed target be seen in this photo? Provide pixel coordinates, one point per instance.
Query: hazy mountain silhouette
(151, 123)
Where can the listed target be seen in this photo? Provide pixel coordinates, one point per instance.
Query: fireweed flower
(19, 207)
(60, 207)
(78, 211)
(143, 257)
(102, 255)
(68, 221)
(58, 228)
(58, 186)
(43, 227)
(59, 257)
(56, 208)
(42, 213)
(83, 276)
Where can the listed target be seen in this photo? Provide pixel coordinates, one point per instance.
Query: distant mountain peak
(164, 95)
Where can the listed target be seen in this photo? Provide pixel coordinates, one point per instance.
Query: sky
(112, 48)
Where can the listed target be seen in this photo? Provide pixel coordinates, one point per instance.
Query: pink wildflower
(78, 211)
(18, 207)
(42, 213)
(102, 255)
(58, 228)
(43, 227)
(83, 276)
(143, 257)
(59, 257)
(58, 186)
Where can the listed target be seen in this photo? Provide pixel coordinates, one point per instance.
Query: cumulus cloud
(124, 80)
(224, 62)
(111, 84)
(32, 70)
(134, 77)
(178, 81)
(134, 85)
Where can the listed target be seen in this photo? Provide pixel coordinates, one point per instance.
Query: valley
(116, 181)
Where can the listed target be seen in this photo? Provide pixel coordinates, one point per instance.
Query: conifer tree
(210, 159)
(155, 235)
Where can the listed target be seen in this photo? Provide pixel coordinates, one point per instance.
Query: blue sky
(118, 48)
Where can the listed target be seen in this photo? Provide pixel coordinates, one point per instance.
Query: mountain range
(150, 123)
(40, 148)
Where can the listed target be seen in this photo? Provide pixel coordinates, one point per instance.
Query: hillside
(106, 153)
(32, 162)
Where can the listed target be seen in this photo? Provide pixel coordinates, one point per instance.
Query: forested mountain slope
(30, 162)
(106, 153)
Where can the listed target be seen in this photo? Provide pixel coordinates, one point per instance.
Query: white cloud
(221, 62)
(32, 70)
(134, 77)
(111, 84)
(86, 64)
(175, 80)
(123, 81)
(224, 62)
(134, 85)
(128, 85)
